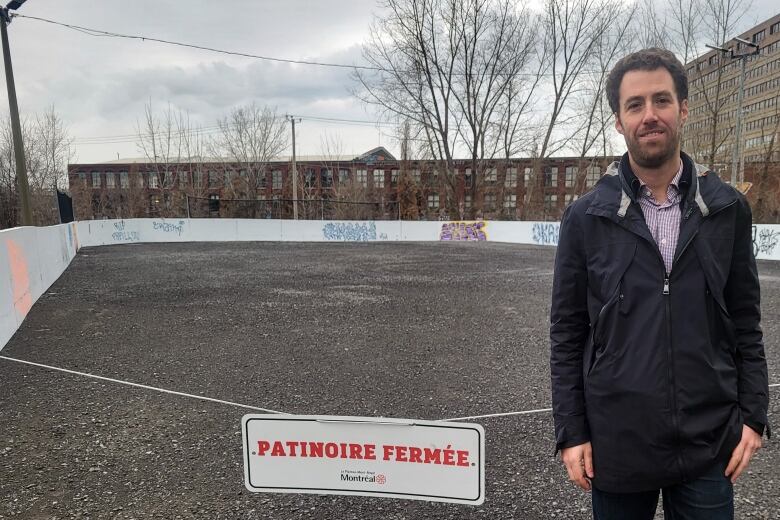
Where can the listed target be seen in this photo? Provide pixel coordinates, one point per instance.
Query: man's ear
(618, 124)
(683, 110)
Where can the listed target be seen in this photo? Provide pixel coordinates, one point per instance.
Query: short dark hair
(646, 59)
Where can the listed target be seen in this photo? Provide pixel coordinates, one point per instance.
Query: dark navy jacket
(659, 371)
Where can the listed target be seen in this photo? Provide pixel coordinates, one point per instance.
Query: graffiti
(546, 234)
(167, 227)
(765, 240)
(463, 231)
(382, 236)
(120, 235)
(126, 236)
(351, 232)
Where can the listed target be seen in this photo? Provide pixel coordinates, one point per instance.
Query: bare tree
(249, 138)
(48, 149)
(445, 66)
(573, 30)
(591, 137)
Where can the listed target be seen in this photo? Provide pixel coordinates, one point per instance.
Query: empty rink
(428, 331)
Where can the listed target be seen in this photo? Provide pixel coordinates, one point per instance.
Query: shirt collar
(676, 182)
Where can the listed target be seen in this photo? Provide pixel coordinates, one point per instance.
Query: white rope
(147, 387)
(268, 410)
(524, 412)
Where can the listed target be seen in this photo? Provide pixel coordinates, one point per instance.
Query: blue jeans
(710, 497)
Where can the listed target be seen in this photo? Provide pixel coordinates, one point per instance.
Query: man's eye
(663, 101)
(633, 106)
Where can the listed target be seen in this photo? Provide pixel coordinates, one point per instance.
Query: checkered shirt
(663, 220)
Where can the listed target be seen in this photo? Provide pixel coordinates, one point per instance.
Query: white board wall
(32, 258)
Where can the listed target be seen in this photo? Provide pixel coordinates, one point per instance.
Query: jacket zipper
(670, 350)
(673, 392)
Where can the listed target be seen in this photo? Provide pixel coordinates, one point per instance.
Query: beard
(654, 156)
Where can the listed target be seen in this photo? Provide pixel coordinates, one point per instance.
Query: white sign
(391, 458)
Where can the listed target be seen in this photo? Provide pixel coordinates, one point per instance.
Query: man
(659, 379)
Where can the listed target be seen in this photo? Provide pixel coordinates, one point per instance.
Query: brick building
(332, 187)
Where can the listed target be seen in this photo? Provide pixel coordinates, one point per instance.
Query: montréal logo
(362, 476)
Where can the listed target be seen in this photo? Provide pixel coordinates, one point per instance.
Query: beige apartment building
(714, 81)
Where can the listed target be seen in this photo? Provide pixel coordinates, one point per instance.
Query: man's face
(650, 116)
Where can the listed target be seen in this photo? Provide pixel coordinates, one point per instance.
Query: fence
(308, 209)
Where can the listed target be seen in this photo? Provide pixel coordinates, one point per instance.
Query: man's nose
(649, 114)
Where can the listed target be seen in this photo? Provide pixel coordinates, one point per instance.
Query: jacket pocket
(597, 330)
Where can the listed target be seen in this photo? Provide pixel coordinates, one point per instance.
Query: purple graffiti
(463, 231)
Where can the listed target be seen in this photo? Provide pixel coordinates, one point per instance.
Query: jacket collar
(619, 187)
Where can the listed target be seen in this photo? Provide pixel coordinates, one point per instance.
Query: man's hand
(740, 457)
(579, 464)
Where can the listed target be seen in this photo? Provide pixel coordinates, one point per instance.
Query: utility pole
(16, 127)
(292, 120)
(737, 164)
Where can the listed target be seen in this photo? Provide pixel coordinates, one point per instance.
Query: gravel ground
(426, 331)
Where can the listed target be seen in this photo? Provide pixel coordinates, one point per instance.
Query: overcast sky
(100, 85)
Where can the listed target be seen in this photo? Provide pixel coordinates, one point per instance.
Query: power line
(100, 33)
(209, 130)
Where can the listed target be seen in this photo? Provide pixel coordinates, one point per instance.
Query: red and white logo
(380, 479)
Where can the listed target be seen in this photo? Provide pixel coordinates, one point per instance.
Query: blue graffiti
(126, 236)
(351, 232)
(167, 227)
(546, 234)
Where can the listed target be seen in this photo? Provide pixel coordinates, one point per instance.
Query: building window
(394, 176)
(124, 181)
(510, 201)
(468, 179)
(550, 202)
(213, 179)
(362, 177)
(326, 178)
(550, 176)
(276, 179)
(379, 178)
(467, 202)
(110, 180)
(759, 36)
(198, 179)
(571, 176)
(433, 201)
(155, 201)
(491, 175)
(510, 180)
(415, 175)
(571, 198)
(775, 28)
(527, 175)
(309, 178)
(95, 179)
(152, 180)
(262, 179)
(183, 178)
(213, 202)
(490, 201)
(713, 59)
(594, 174)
